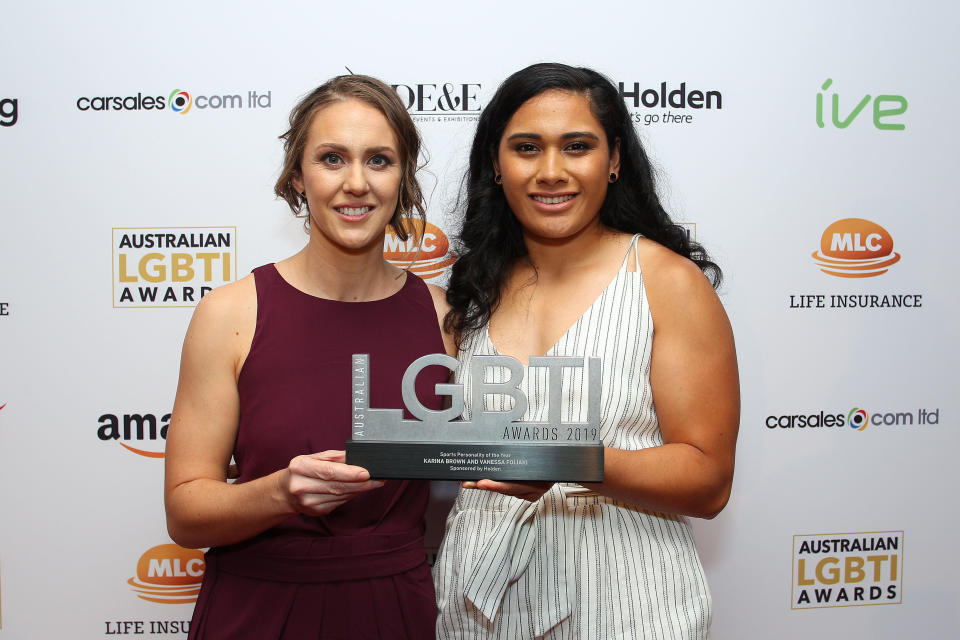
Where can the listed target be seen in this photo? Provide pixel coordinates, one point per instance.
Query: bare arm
(696, 393)
(202, 508)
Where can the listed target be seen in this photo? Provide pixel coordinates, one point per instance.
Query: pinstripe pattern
(574, 564)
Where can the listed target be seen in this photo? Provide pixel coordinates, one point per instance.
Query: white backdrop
(817, 511)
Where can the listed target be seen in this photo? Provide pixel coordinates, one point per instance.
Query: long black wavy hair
(491, 238)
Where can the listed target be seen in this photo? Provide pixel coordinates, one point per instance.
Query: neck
(331, 272)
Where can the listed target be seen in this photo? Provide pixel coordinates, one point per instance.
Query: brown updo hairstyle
(379, 96)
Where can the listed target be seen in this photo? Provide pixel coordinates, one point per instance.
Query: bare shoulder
(223, 323)
(231, 303)
(661, 265)
(676, 287)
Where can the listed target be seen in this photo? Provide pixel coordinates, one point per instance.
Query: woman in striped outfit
(567, 251)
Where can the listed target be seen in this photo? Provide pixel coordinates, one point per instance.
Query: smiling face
(555, 163)
(350, 172)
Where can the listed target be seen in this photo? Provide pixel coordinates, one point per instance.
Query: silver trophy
(439, 445)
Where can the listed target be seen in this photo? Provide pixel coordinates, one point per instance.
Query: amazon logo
(140, 433)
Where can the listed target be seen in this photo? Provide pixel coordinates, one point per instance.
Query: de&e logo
(441, 101)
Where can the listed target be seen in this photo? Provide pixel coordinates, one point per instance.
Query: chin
(555, 232)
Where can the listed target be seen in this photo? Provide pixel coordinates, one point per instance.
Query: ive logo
(895, 105)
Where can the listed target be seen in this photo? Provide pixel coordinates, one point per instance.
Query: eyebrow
(566, 136)
(343, 149)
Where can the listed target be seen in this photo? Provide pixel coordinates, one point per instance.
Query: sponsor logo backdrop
(809, 156)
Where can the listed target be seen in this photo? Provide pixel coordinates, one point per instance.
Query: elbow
(182, 536)
(712, 511)
(178, 534)
(180, 530)
(711, 506)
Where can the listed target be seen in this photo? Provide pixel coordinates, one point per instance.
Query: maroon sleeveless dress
(360, 571)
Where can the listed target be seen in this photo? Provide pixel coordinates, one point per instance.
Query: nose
(552, 169)
(355, 179)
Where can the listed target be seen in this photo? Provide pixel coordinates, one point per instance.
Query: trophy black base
(513, 461)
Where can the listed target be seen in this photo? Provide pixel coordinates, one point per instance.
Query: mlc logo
(855, 248)
(429, 259)
(169, 574)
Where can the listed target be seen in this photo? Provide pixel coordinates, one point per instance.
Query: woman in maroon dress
(304, 545)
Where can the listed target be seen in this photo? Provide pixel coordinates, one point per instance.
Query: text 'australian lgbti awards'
(171, 266)
(847, 569)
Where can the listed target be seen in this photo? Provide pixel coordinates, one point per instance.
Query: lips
(354, 212)
(553, 199)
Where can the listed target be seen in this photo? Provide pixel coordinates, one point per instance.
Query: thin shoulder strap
(636, 253)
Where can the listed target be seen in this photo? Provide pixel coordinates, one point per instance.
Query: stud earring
(613, 178)
(498, 179)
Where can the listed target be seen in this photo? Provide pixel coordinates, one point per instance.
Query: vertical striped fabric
(575, 564)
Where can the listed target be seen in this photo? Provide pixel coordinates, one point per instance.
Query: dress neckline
(579, 320)
(276, 272)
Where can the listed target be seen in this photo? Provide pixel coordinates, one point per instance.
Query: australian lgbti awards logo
(180, 101)
(855, 249)
(690, 228)
(171, 266)
(847, 569)
(857, 418)
(426, 251)
(143, 434)
(668, 103)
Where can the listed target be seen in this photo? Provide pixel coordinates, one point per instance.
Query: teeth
(350, 211)
(556, 200)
